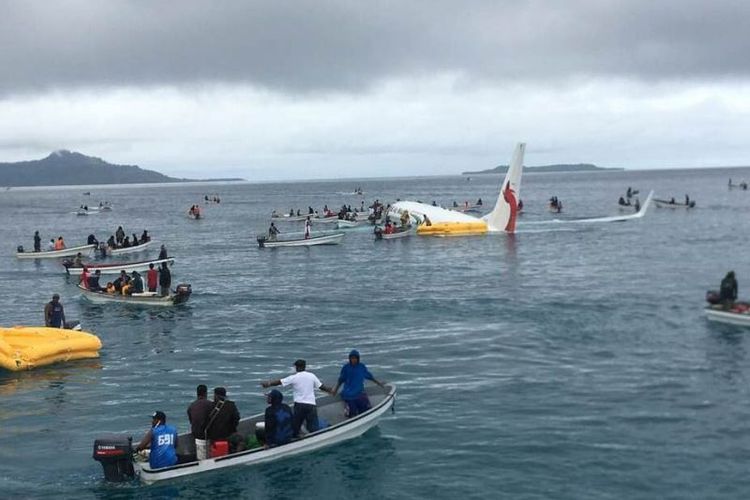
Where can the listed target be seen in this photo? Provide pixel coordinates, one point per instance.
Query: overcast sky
(319, 89)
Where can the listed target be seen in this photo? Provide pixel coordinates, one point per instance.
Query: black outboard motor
(261, 241)
(115, 455)
(182, 293)
(19, 249)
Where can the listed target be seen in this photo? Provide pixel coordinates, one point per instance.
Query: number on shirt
(165, 439)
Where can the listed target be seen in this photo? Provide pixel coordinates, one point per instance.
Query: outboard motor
(115, 455)
(182, 292)
(261, 241)
(713, 297)
(19, 249)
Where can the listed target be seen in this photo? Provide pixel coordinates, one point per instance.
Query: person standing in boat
(93, 281)
(152, 278)
(198, 413)
(223, 419)
(91, 240)
(162, 253)
(165, 279)
(687, 200)
(162, 440)
(119, 235)
(308, 227)
(353, 376)
(273, 232)
(37, 242)
(54, 313)
(145, 237)
(60, 243)
(728, 289)
(278, 420)
(303, 384)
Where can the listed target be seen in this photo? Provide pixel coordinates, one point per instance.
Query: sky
(303, 89)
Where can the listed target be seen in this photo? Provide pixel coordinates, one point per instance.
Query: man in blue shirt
(162, 439)
(352, 376)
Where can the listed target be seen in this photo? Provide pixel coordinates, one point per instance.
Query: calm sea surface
(568, 361)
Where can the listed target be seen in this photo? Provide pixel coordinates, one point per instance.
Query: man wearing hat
(353, 376)
(162, 440)
(54, 314)
(303, 385)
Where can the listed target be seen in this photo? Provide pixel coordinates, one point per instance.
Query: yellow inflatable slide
(27, 347)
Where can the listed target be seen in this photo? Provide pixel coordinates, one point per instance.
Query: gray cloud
(307, 46)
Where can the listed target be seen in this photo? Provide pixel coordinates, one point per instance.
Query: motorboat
(404, 233)
(29, 347)
(126, 250)
(672, 204)
(180, 295)
(84, 250)
(115, 453)
(140, 266)
(289, 218)
(296, 241)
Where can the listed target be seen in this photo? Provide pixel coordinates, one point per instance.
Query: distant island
(561, 167)
(67, 168)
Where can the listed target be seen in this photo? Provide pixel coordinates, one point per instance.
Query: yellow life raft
(452, 228)
(27, 347)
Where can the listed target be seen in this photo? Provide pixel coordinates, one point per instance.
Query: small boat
(347, 224)
(128, 267)
(180, 296)
(81, 212)
(85, 250)
(288, 218)
(380, 235)
(322, 239)
(195, 215)
(131, 249)
(115, 453)
(672, 204)
(28, 347)
(738, 314)
(325, 220)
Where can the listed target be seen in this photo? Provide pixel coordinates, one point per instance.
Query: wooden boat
(380, 235)
(140, 266)
(131, 249)
(669, 204)
(85, 250)
(322, 239)
(181, 295)
(25, 348)
(115, 452)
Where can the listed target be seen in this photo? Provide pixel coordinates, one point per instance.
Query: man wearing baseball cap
(162, 440)
(303, 385)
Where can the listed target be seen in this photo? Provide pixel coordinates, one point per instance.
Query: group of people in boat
(465, 206)
(391, 227)
(742, 185)
(626, 203)
(131, 284)
(212, 199)
(52, 245)
(195, 211)
(214, 424)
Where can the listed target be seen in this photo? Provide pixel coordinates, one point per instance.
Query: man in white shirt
(303, 385)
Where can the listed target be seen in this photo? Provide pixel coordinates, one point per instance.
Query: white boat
(115, 452)
(195, 216)
(85, 250)
(394, 236)
(348, 224)
(181, 295)
(325, 220)
(735, 316)
(131, 249)
(322, 239)
(669, 204)
(288, 218)
(116, 268)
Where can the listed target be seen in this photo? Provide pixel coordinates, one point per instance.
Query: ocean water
(568, 361)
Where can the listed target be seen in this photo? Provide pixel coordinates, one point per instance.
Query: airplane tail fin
(503, 216)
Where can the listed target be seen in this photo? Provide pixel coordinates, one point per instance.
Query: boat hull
(116, 268)
(727, 317)
(145, 299)
(328, 239)
(329, 408)
(127, 250)
(85, 250)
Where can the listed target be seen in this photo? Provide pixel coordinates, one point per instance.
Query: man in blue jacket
(352, 376)
(162, 439)
(278, 420)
